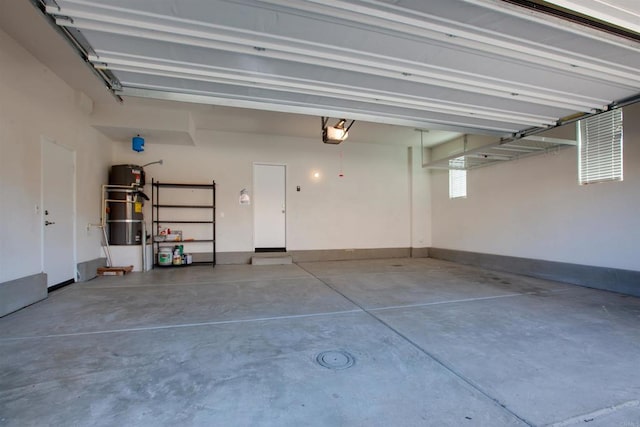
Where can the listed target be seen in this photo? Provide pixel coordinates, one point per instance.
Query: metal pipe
(106, 246)
(159, 162)
(144, 247)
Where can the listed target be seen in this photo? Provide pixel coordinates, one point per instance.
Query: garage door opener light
(337, 133)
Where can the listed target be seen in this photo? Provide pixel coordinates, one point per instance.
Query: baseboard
(609, 279)
(223, 258)
(326, 255)
(19, 293)
(60, 285)
(349, 254)
(87, 269)
(419, 252)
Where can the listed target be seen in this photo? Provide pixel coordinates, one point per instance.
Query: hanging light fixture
(337, 133)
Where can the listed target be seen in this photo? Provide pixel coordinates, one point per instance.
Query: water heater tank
(125, 214)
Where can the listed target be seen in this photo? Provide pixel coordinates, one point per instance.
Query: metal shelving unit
(174, 217)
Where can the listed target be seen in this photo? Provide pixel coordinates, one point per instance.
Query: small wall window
(457, 179)
(600, 148)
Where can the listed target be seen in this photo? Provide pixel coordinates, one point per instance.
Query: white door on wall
(58, 243)
(269, 207)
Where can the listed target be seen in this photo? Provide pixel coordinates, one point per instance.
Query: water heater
(125, 212)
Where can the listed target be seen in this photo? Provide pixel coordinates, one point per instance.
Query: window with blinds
(600, 148)
(457, 179)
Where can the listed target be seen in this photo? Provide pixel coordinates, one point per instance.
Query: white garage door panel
(477, 66)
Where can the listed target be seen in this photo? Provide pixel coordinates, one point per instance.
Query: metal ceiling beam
(546, 139)
(516, 149)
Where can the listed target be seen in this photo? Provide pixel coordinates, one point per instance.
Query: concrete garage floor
(434, 343)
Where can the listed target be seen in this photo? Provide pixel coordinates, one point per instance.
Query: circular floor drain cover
(335, 359)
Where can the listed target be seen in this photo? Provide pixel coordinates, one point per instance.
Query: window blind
(600, 144)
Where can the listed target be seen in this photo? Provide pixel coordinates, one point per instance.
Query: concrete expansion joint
(592, 416)
(182, 325)
(453, 301)
(170, 284)
(426, 304)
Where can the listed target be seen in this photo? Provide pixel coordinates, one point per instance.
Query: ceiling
(451, 66)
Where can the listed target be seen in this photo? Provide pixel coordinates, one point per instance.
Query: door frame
(286, 208)
(47, 140)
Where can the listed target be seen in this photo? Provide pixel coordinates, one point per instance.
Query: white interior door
(269, 207)
(58, 170)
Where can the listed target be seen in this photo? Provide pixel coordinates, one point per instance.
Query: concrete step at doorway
(272, 258)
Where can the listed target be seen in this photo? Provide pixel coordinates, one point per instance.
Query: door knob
(49, 222)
